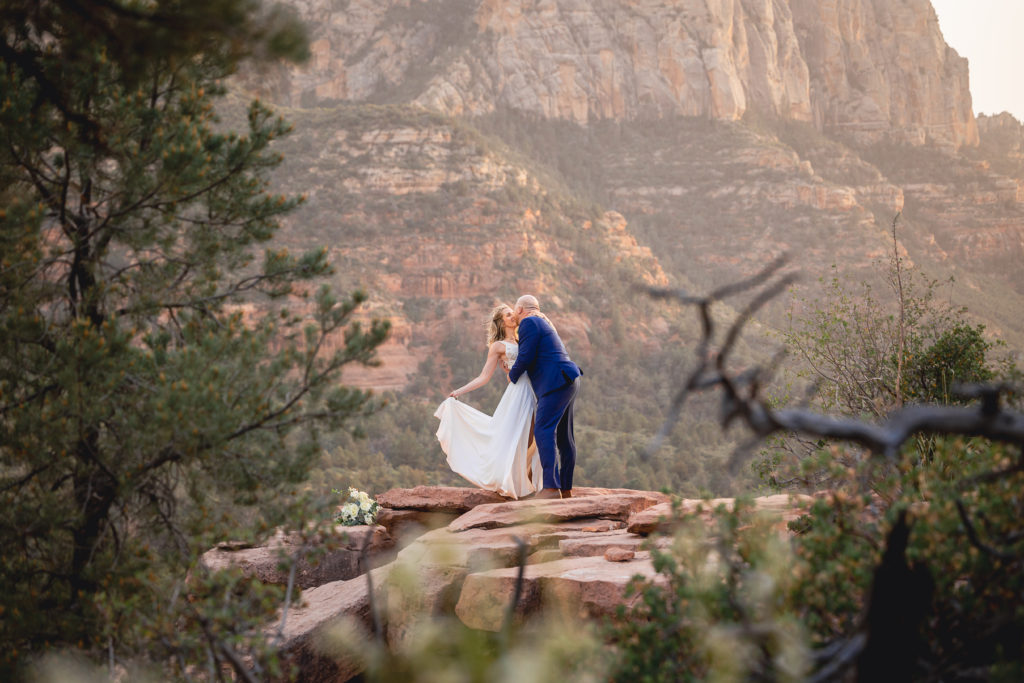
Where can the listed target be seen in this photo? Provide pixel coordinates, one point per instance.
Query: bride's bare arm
(493, 354)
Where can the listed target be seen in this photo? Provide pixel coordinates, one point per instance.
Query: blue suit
(555, 380)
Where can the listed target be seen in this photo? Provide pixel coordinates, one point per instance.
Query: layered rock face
(880, 66)
(869, 66)
(440, 223)
(1002, 138)
(583, 60)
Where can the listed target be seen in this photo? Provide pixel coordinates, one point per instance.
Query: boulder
(450, 499)
(554, 511)
(619, 554)
(579, 587)
(270, 563)
(654, 518)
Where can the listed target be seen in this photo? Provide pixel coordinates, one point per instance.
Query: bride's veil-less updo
(496, 325)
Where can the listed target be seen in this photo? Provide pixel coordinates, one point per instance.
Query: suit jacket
(543, 356)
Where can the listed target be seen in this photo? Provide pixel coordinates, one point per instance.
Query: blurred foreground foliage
(147, 411)
(737, 601)
(908, 566)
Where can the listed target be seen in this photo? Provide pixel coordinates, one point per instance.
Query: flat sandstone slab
(457, 499)
(617, 506)
(595, 545)
(584, 491)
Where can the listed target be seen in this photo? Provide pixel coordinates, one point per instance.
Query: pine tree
(162, 383)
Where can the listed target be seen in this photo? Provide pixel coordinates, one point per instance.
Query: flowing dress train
(492, 451)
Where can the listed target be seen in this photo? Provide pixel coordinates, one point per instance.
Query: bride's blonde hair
(496, 325)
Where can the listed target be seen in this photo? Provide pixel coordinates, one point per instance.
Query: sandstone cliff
(880, 66)
(870, 66)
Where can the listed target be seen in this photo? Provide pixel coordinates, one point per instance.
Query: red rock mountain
(459, 152)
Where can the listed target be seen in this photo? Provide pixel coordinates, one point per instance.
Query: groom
(556, 381)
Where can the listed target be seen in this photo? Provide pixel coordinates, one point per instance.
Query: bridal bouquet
(361, 509)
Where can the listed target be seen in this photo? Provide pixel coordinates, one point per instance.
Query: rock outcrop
(350, 552)
(578, 559)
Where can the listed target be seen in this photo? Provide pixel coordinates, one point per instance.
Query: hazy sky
(990, 34)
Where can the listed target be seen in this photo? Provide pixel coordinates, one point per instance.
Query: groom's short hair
(528, 302)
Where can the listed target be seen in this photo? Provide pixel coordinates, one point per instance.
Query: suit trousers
(553, 433)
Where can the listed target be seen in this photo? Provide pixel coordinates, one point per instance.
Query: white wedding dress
(492, 451)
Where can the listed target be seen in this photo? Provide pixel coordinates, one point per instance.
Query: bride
(494, 452)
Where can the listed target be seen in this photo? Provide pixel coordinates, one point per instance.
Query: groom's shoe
(548, 493)
(566, 493)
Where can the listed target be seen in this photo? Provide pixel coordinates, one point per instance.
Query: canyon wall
(876, 68)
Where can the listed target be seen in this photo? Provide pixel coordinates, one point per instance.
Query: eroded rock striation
(872, 66)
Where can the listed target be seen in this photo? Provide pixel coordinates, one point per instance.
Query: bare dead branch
(702, 377)
(988, 420)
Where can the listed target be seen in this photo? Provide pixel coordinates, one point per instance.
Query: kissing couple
(528, 445)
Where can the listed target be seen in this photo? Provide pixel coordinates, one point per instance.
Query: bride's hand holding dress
(494, 357)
